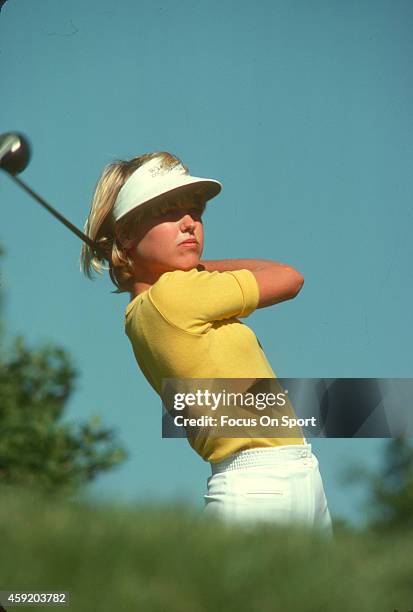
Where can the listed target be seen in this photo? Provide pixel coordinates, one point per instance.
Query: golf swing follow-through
(145, 223)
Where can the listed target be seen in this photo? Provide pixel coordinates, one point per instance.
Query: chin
(188, 265)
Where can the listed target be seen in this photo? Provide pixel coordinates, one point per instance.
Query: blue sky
(302, 110)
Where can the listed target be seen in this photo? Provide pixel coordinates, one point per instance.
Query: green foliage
(38, 449)
(2, 252)
(390, 507)
(158, 559)
(392, 490)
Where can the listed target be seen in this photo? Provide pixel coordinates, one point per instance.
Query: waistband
(255, 457)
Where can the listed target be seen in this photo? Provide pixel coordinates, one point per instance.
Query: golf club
(15, 152)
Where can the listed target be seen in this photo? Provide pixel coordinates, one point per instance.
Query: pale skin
(158, 249)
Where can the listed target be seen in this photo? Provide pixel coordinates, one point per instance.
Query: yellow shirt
(186, 326)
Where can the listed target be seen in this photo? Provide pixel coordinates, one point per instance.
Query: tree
(390, 506)
(36, 447)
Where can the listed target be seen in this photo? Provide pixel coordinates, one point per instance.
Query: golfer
(183, 321)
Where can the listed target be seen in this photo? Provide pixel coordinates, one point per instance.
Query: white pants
(280, 484)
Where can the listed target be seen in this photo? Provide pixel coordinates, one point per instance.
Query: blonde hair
(100, 224)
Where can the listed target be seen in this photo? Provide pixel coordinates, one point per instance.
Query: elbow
(297, 284)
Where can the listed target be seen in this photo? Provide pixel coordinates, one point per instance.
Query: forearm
(225, 265)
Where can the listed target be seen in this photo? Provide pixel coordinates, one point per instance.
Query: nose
(187, 222)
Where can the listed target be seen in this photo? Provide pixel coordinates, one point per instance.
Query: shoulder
(183, 279)
(172, 282)
(205, 296)
(178, 287)
(180, 281)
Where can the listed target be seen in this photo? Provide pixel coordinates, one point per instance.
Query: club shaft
(56, 214)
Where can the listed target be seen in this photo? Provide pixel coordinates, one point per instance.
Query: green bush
(159, 559)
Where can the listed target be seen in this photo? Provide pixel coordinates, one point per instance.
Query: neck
(138, 287)
(144, 280)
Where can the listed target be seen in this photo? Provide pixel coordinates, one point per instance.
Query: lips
(189, 241)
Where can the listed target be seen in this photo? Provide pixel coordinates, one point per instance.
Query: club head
(15, 152)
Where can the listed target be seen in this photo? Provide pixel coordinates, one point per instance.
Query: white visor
(154, 179)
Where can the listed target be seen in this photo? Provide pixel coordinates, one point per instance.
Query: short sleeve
(193, 300)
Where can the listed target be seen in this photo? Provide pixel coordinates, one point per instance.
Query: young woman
(183, 322)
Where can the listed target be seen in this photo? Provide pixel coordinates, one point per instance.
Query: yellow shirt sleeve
(193, 300)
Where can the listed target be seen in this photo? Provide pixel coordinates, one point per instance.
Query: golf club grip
(93, 245)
